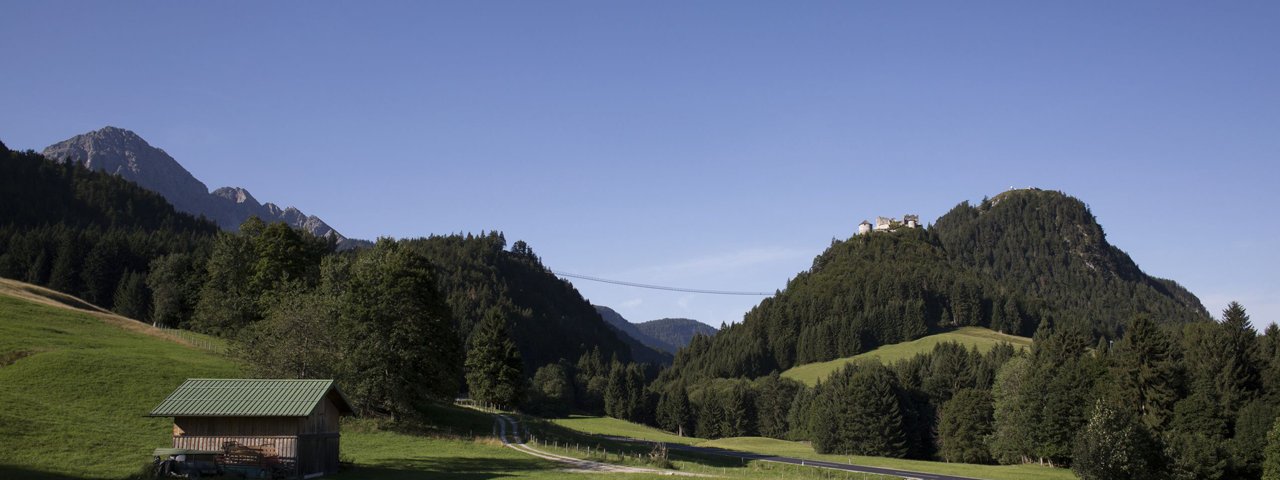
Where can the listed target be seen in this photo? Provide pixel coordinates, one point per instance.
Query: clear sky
(714, 145)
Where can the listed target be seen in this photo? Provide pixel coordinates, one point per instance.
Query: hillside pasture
(981, 338)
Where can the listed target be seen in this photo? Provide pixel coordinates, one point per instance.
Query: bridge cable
(660, 287)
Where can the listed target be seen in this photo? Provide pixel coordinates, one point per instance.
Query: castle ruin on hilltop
(886, 224)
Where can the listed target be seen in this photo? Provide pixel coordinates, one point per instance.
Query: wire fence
(194, 339)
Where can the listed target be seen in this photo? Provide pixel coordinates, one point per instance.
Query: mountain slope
(124, 153)
(1051, 247)
(1007, 264)
(549, 319)
(677, 332)
(632, 331)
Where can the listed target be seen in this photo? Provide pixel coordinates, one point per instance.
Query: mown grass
(75, 398)
(982, 338)
(621, 428)
(553, 436)
(804, 450)
(614, 427)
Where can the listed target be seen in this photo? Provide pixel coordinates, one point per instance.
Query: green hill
(76, 385)
(982, 338)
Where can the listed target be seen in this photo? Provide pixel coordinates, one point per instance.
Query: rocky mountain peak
(236, 194)
(125, 153)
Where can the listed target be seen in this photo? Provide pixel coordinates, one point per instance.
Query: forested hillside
(631, 334)
(1048, 248)
(549, 319)
(676, 332)
(1008, 264)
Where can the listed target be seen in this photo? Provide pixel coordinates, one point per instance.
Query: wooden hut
(292, 423)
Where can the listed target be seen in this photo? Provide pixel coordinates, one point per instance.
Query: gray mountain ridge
(124, 153)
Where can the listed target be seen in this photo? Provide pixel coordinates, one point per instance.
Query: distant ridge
(666, 335)
(677, 332)
(124, 153)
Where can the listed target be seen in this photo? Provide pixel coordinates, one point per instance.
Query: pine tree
(101, 272)
(63, 275)
(674, 412)
(737, 411)
(131, 299)
(709, 414)
(861, 413)
(615, 392)
(494, 368)
(964, 424)
(1251, 427)
(1059, 389)
(1148, 373)
(637, 404)
(773, 401)
(1239, 381)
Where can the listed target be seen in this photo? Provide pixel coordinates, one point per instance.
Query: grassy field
(982, 338)
(75, 388)
(571, 437)
(615, 427)
(803, 450)
(621, 428)
(383, 454)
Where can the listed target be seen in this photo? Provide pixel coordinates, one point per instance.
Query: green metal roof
(230, 397)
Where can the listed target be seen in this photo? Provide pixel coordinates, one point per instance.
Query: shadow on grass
(63, 298)
(10, 472)
(446, 468)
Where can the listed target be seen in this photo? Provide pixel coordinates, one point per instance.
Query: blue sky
(714, 145)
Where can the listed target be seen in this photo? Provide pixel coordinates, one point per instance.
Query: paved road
(893, 472)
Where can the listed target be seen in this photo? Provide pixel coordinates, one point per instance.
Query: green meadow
(971, 337)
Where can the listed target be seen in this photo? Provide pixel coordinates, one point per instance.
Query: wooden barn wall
(281, 446)
(318, 453)
(324, 419)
